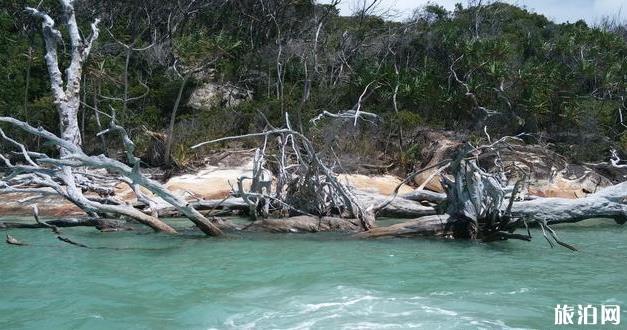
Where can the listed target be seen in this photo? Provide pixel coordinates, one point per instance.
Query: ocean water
(140, 280)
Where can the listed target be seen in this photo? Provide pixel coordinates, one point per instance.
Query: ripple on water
(303, 281)
(355, 308)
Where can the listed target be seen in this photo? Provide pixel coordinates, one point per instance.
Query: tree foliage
(565, 83)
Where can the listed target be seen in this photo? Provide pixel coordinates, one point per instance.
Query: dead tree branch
(76, 158)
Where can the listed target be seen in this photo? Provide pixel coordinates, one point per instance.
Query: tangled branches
(304, 183)
(64, 176)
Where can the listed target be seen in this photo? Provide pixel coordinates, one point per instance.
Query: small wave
(436, 310)
(498, 324)
(521, 290)
(354, 308)
(314, 307)
(375, 325)
(613, 301)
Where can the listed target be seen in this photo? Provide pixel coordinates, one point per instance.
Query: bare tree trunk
(67, 100)
(103, 139)
(126, 63)
(61, 170)
(83, 112)
(168, 145)
(27, 87)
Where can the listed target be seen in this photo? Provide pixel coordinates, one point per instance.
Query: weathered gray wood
(67, 100)
(66, 94)
(398, 207)
(313, 186)
(432, 225)
(607, 203)
(14, 241)
(104, 224)
(77, 158)
(424, 195)
(305, 224)
(232, 203)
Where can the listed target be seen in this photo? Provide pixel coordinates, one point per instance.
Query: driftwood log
(100, 224)
(420, 195)
(432, 225)
(304, 224)
(609, 202)
(397, 208)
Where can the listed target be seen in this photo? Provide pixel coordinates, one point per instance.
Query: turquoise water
(299, 281)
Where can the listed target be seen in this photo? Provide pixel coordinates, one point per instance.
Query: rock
(125, 193)
(433, 184)
(550, 175)
(577, 187)
(213, 94)
(441, 147)
(209, 183)
(49, 205)
(550, 191)
(214, 182)
(381, 184)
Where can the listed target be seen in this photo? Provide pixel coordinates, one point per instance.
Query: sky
(557, 10)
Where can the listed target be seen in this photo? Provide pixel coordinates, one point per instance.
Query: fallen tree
(304, 184)
(300, 192)
(607, 203)
(398, 207)
(478, 204)
(65, 175)
(23, 177)
(481, 206)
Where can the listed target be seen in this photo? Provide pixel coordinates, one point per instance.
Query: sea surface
(141, 280)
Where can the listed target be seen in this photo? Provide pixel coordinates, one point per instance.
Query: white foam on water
(314, 307)
(521, 290)
(613, 301)
(374, 325)
(436, 310)
(487, 324)
(310, 323)
(355, 308)
(232, 321)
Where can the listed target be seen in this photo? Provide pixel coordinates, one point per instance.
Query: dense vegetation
(563, 83)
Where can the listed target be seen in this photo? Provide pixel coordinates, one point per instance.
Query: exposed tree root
(305, 185)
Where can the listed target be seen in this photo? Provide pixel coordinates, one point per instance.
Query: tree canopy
(496, 65)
